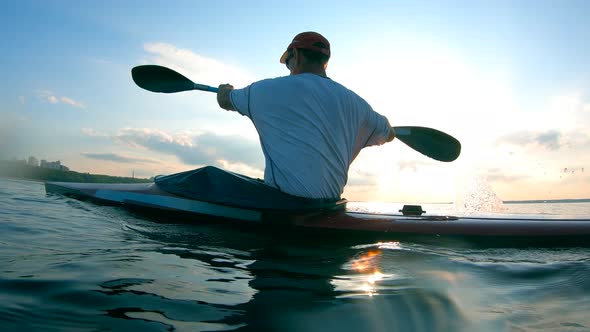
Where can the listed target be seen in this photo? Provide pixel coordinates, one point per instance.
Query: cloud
(549, 140)
(72, 102)
(201, 149)
(196, 67)
(116, 158)
(51, 98)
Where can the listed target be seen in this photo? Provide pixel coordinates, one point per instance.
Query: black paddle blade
(430, 142)
(160, 79)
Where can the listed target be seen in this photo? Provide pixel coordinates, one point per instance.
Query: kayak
(211, 192)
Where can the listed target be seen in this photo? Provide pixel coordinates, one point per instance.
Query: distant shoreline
(18, 170)
(532, 201)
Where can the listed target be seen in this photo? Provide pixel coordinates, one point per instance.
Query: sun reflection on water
(364, 262)
(369, 287)
(367, 274)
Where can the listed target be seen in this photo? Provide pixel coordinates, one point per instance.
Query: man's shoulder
(344, 91)
(296, 79)
(300, 82)
(307, 81)
(273, 80)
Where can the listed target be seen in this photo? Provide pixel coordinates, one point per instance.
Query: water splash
(476, 196)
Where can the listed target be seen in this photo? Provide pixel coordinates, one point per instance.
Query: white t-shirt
(311, 128)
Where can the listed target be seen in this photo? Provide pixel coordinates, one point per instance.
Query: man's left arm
(391, 134)
(382, 131)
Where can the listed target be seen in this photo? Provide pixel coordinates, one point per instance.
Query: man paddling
(311, 128)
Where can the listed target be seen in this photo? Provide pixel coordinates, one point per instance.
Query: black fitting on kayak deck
(412, 210)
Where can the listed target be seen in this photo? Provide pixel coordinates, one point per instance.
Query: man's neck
(320, 71)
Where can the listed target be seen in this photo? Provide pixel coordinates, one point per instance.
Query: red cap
(310, 41)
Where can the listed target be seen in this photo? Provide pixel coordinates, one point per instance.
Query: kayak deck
(150, 196)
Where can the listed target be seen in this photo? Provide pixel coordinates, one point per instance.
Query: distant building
(19, 161)
(33, 161)
(54, 165)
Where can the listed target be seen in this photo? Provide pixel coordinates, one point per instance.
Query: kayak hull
(150, 196)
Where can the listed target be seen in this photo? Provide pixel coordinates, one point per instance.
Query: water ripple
(73, 265)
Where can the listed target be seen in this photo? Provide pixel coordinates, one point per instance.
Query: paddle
(430, 142)
(165, 80)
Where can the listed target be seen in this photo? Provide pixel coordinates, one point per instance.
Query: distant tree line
(16, 169)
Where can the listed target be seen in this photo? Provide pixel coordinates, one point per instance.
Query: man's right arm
(223, 98)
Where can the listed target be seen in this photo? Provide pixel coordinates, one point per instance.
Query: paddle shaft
(204, 87)
(430, 142)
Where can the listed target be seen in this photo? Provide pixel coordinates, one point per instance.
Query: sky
(509, 79)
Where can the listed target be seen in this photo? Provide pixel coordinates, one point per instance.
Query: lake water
(67, 265)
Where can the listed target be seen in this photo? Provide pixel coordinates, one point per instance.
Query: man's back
(311, 128)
